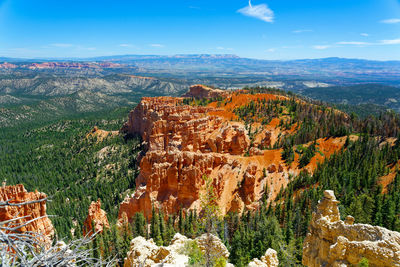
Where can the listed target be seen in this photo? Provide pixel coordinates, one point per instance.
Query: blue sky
(265, 29)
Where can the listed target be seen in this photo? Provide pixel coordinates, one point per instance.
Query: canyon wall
(333, 242)
(184, 142)
(35, 211)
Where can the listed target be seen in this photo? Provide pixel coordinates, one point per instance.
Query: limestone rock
(18, 194)
(97, 217)
(332, 242)
(214, 244)
(255, 152)
(182, 143)
(146, 252)
(202, 91)
(270, 259)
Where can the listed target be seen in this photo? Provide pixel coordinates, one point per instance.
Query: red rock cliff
(18, 194)
(185, 142)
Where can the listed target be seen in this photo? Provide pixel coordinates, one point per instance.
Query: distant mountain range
(51, 85)
(200, 65)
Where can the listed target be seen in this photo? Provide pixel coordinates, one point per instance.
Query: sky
(263, 29)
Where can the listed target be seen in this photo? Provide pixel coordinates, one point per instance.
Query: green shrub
(363, 263)
(196, 256)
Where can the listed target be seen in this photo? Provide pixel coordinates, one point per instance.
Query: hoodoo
(184, 141)
(97, 218)
(333, 242)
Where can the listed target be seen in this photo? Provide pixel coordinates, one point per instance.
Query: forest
(353, 173)
(58, 158)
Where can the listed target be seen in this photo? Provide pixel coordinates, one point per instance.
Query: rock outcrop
(202, 91)
(270, 259)
(332, 242)
(100, 134)
(34, 213)
(185, 142)
(97, 218)
(147, 254)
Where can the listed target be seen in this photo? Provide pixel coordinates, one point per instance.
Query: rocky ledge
(333, 242)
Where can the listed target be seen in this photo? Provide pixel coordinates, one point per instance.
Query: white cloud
(62, 45)
(301, 31)
(364, 34)
(126, 45)
(271, 50)
(391, 21)
(390, 42)
(262, 12)
(321, 47)
(157, 45)
(225, 48)
(353, 43)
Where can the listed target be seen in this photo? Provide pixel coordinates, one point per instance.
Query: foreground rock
(270, 259)
(146, 253)
(97, 218)
(332, 242)
(34, 213)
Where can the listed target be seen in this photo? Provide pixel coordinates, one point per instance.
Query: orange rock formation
(202, 91)
(100, 134)
(185, 142)
(28, 212)
(96, 217)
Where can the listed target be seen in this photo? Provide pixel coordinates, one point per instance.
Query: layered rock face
(332, 242)
(146, 253)
(184, 142)
(270, 259)
(97, 218)
(28, 212)
(201, 91)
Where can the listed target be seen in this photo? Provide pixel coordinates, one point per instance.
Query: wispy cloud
(157, 45)
(321, 47)
(364, 34)
(353, 43)
(301, 31)
(391, 21)
(225, 48)
(271, 50)
(262, 12)
(359, 43)
(390, 42)
(126, 45)
(381, 42)
(62, 45)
